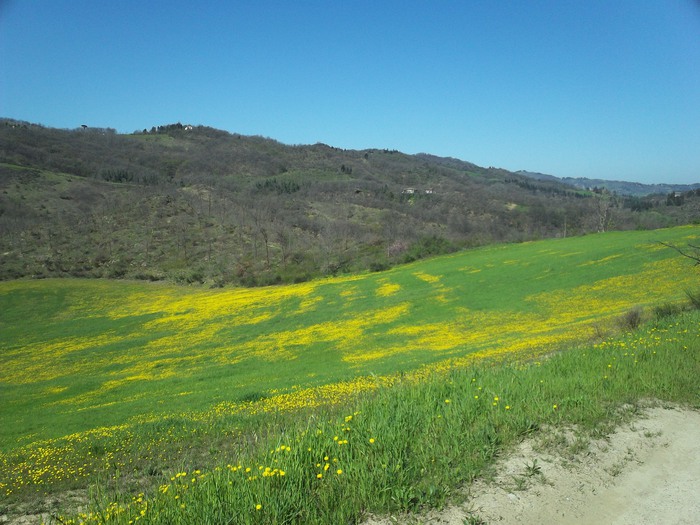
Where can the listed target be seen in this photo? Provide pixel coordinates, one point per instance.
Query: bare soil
(646, 472)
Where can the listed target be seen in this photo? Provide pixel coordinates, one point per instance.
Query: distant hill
(635, 189)
(193, 204)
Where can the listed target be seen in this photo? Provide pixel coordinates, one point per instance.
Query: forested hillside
(195, 204)
(635, 189)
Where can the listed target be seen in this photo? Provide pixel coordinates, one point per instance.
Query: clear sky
(594, 88)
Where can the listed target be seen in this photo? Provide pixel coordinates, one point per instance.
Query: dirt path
(647, 472)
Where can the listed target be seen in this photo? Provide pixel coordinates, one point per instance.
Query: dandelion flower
(371, 440)
(339, 472)
(258, 506)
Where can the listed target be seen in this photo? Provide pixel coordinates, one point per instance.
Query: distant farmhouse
(412, 191)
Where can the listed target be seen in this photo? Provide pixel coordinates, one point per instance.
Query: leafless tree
(693, 255)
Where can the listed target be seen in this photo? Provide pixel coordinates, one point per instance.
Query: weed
(473, 519)
(532, 469)
(520, 483)
(617, 468)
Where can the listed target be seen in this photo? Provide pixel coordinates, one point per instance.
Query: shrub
(428, 247)
(632, 319)
(378, 266)
(694, 298)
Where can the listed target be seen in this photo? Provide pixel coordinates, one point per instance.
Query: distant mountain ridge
(634, 189)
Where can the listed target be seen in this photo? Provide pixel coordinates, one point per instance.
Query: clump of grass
(665, 310)
(406, 447)
(671, 309)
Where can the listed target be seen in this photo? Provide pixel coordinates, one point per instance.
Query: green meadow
(115, 381)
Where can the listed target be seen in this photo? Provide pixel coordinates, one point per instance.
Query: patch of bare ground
(647, 471)
(42, 508)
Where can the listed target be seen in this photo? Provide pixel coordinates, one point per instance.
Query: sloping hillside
(195, 204)
(126, 348)
(148, 380)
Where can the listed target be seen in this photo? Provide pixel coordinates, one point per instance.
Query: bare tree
(603, 208)
(693, 256)
(284, 237)
(262, 218)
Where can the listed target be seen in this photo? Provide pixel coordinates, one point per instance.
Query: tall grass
(408, 446)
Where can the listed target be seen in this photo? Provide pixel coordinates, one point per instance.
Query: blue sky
(593, 88)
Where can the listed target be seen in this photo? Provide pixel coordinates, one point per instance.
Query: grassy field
(140, 383)
(408, 446)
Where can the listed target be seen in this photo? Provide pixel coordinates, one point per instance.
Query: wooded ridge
(193, 204)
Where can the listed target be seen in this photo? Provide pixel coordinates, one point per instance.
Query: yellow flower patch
(427, 277)
(387, 289)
